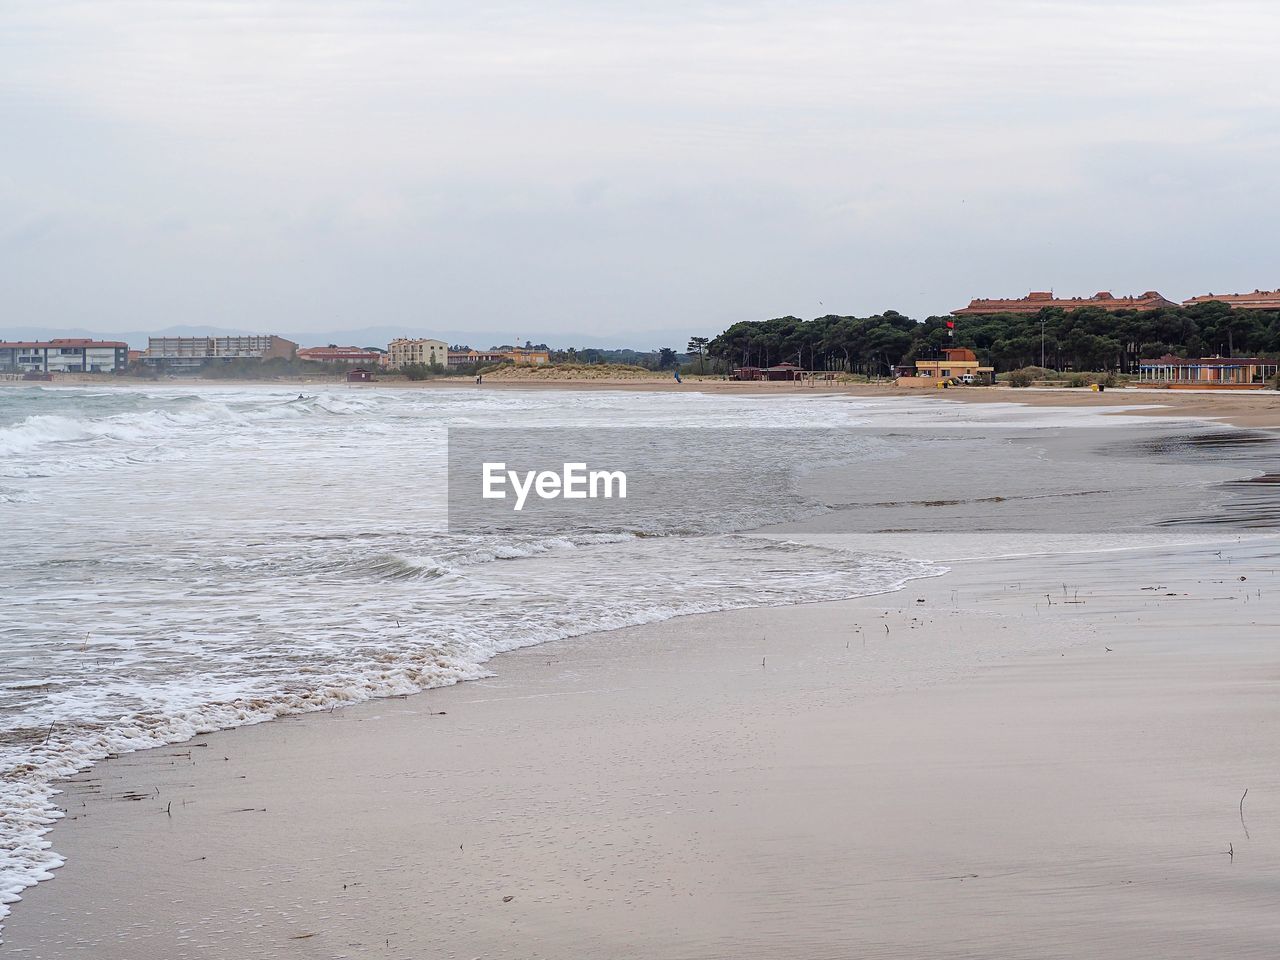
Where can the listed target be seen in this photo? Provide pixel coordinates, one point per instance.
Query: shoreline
(846, 713)
(1245, 409)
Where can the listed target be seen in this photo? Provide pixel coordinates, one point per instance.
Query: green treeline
(1086, 339)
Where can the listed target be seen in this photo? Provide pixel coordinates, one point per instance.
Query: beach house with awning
(1223, 373)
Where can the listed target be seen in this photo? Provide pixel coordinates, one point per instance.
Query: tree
(666, 358)
(1084, 339)
(698, 345)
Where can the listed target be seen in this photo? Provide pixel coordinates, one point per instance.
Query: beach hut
(782, 371)
(359, 375)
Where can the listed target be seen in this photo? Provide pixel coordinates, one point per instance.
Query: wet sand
(1260, 408)
(1033, 758)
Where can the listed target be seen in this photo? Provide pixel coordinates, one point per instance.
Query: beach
(1028, 732)
(1040, 757)
(689, 481)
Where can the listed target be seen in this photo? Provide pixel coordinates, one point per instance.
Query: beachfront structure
(63, 356)
(521, 356)
(359, 375)
(1208, 372)
(403, 351)
(458, 358)
(779, 371)
(1038, 300)
(192, 353)
(954, 363)
(527, 356)
(341, 355)
(1258, 300)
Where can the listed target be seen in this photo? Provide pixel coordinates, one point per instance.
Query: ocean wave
(219, 556)
(425, 652)
(41, 431)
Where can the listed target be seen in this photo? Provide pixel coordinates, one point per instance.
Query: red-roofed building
(1038, 300)
(1258, 300)
(341, 355)
(67, 355)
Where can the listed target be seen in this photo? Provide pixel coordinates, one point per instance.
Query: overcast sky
(605, 167)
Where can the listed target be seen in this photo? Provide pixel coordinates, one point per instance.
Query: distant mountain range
(378, 336)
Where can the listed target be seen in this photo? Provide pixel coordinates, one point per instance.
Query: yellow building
(401, 352)
(957, 363)
(523, 355)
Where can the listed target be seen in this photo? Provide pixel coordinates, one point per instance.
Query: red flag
(951, 324)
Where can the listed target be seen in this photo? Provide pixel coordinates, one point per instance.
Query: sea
(182, 558)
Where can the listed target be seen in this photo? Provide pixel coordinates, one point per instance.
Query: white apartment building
(64, 356)
(402, 351)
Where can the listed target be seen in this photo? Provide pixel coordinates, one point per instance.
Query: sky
(617, 168)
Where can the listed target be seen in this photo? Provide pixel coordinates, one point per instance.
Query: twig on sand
(1242, 823)
(1231, 852)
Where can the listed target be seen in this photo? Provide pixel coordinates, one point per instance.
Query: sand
(1031, 758)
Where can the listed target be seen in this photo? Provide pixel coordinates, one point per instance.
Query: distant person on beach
(479, 379)
(677, 376)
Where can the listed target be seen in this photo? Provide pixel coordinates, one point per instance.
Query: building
(779, 371)
(192, 353)
(341, 355)
(1038, 300)
(1258, 300)
(955, 363)
(1238, 373)
(359, 375)
(525, 356)
(64, 356)
(401, 352)
(458, 358)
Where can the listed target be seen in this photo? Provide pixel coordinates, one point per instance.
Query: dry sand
(959, 770)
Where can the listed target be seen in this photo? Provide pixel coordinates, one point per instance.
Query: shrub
(1020, 378)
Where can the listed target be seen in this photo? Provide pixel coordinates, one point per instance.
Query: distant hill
(378, 336)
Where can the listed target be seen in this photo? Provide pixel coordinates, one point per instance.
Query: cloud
(634, 165)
